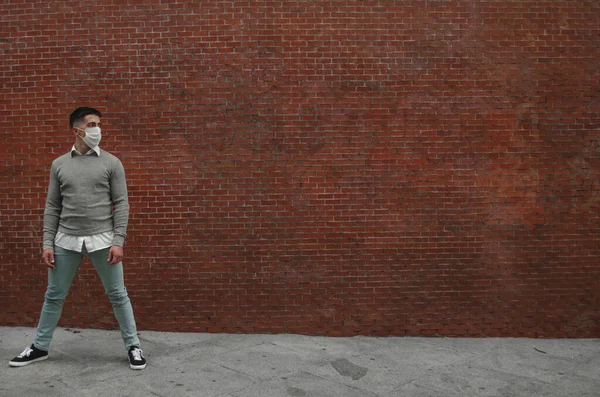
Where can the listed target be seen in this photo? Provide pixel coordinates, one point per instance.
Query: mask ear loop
(84, 133)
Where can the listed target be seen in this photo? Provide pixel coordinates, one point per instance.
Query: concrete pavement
(85, 362)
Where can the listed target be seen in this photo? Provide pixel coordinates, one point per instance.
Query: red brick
(333, 168)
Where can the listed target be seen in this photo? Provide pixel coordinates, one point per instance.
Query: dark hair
(80, 113)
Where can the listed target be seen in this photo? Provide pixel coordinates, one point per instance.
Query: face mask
(92, 136)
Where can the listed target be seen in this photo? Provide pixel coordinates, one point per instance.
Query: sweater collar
(91, 151)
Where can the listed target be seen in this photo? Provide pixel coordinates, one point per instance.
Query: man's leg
(114, 286)
(59, 282)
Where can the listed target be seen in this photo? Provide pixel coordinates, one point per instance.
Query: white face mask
(92, 136)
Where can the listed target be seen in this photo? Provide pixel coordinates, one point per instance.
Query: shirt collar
(91, 151)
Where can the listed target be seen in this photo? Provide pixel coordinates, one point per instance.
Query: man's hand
(115, 255)
(48, 258)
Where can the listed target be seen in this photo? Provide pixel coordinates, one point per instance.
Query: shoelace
(26, 352)
(137, 354)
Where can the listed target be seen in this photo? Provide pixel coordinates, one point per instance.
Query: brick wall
(319, 167)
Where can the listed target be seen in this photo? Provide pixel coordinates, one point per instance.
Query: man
(86, 214)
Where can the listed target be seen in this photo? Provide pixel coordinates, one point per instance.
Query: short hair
(80, 113)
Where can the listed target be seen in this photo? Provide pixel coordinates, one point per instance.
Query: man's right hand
(48, 258)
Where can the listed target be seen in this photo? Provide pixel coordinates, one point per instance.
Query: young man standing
(86, 214)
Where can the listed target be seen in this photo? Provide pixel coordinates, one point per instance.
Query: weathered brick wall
(319, 167)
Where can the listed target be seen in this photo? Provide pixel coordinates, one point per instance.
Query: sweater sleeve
(52, 210)
(120, 201)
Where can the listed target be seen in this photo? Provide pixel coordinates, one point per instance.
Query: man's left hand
(115, 255)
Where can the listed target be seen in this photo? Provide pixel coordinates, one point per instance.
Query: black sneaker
(136, 360)
(30, 355)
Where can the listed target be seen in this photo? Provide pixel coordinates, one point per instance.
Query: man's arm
(52, 210)
(120, 201)
(51, 217)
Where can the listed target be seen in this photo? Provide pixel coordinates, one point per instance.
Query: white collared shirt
(92, 243)
(94, 150)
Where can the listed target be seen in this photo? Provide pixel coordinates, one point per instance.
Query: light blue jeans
(59, 282)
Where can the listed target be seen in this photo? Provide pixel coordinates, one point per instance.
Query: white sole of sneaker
(24, 363)
(137, 367)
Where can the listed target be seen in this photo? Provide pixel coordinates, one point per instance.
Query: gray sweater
(82, 193)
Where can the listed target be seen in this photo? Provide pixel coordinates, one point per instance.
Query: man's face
(91, 120)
